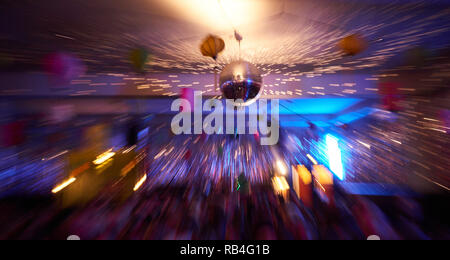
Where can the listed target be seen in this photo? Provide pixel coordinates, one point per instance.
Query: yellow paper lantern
(212, 46)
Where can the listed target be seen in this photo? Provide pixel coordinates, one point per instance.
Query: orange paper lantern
(352, 45)
(212, 46)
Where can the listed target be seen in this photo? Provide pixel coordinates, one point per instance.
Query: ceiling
(293, 43)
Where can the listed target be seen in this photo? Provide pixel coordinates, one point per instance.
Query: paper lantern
(63, 66)
(352, 45)
(138, 58)
(212, 46)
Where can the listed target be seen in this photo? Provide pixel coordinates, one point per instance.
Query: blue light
(353, 116)
(285, 123)
(315, 106)
(334, 156)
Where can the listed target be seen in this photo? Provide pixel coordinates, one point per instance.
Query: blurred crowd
(185, 212)
(201, 187)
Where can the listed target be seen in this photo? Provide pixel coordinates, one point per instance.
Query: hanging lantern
(63, 67)
(212, 46)
(237, 36)
(352, 45)
(138, 58)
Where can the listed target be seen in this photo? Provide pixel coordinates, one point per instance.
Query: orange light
(322, 175)
(280, 184)
(128, 167)
(140, 182)
(80, 169)
(63, 185)
(104, 157)
(304, 174)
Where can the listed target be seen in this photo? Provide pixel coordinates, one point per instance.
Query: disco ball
(241, 82)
